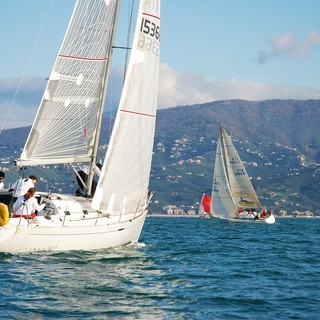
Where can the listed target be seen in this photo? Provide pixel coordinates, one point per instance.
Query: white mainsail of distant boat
(67, 127)
(233, 196)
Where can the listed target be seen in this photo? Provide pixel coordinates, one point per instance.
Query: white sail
(240, 184)
(125, 172)
(67, 122)
(222, 203)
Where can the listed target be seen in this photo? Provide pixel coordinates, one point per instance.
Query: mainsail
(67, 126)
(232, 188)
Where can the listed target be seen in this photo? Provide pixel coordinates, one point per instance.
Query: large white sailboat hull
(75, 231)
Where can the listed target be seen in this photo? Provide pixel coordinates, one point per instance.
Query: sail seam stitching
(150, 15)
(138, 113)
(80, 58)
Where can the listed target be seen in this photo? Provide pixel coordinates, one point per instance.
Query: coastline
(165, 215)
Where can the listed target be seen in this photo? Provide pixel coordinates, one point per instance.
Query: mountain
(289, 122)
(277, 139)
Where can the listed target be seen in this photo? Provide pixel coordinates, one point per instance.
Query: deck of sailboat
(84, 201)
(63, 210)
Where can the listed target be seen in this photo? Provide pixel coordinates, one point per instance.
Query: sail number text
(150, 28)
(215, 187)
(235, 160)
(149, 37)
(239, 172)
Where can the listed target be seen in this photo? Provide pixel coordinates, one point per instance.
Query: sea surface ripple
(183, 268)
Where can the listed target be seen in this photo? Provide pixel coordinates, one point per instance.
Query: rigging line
(26, 68)
(120, 47)
(127, 48)
(128, 40)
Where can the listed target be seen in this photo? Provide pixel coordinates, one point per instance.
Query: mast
(103, 101)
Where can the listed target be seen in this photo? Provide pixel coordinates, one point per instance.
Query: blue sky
(210, 50)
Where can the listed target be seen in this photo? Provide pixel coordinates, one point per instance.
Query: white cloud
(289, 44)
(311, 41)
(284, 44)
(183, 88)
(175, 88)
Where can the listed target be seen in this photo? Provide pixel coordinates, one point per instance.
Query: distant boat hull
(73, 231)
(269, 220)
(205, 216)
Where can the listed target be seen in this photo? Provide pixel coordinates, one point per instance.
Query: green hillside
(277, 139)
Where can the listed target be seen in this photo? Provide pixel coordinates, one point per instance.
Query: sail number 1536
(150, 28)
(149, 37)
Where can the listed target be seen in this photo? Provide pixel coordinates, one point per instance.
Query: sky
(210, 50)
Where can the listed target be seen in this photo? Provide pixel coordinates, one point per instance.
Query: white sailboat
(67, 127)
(233, 196)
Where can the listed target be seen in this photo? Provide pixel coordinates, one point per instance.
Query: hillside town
(286, 178)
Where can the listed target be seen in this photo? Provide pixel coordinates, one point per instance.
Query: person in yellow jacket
(4, 214)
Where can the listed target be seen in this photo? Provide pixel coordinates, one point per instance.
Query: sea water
(184, 268)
